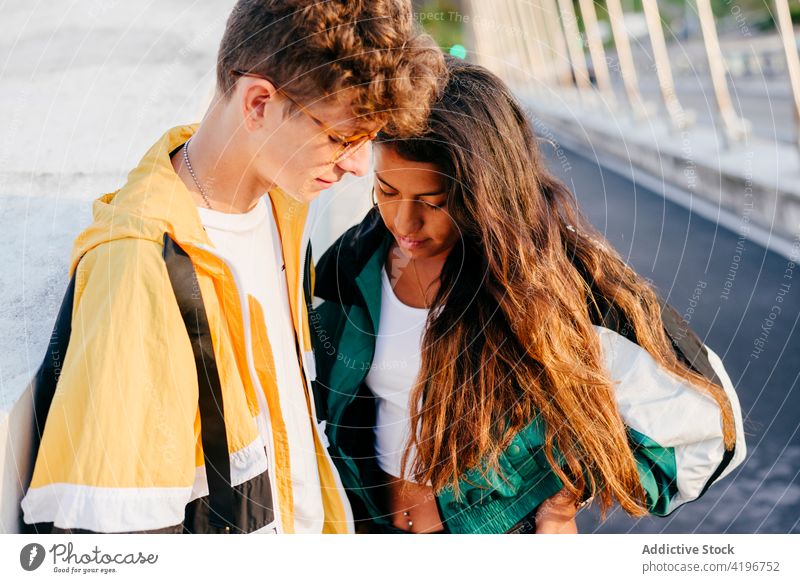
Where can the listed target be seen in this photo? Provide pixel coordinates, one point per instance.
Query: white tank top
(393, 373)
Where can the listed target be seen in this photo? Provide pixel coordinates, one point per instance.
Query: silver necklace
(194, 176)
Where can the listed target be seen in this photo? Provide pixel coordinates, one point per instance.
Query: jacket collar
(152, 202)
(352, 264)
(368, 282)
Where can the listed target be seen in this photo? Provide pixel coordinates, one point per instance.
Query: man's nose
(358, 163)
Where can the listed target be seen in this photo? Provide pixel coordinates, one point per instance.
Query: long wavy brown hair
(509, 336)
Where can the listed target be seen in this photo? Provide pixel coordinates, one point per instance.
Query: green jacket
(675, 431)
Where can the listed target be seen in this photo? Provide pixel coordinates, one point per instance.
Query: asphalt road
(742, 294)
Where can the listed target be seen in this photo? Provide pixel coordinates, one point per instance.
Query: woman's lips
(325, 183)
(408, 243)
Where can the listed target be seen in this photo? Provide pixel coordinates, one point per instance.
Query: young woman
(486, 361)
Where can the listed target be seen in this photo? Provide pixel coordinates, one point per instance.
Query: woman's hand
(556, 515)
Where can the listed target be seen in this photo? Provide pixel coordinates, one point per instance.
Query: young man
(182, 403)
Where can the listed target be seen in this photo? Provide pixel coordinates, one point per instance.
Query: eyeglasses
(345, 147)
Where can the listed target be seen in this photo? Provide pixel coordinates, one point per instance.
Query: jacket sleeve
(675, 430)
(118, 449)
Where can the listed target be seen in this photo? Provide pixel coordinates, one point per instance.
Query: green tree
(443, 20)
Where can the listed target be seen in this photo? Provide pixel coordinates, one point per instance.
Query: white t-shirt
(250, 241)
(392, 375)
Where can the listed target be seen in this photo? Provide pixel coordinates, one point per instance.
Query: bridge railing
(625, 90)
(538, 45)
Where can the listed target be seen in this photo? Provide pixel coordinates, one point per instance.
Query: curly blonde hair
(371, 49)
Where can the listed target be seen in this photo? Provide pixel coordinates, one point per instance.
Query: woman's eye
(382, 192)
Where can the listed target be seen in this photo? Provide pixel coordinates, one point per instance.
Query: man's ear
(256, 95)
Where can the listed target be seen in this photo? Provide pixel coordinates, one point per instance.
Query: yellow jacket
(121, 449)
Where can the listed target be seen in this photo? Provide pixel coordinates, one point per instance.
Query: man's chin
(302, 195)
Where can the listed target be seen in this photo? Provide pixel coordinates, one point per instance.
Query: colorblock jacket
(675, 431)
(123, 447)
